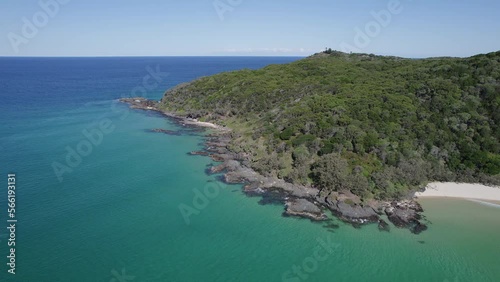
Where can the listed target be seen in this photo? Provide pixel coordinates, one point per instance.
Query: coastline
(149, 105)
(460, 190)
(297, 200)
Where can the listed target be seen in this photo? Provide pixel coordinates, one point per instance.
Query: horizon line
(153, 56)
(256, 56)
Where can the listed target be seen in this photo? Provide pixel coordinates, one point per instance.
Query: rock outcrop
(304, 208)
(406, 214)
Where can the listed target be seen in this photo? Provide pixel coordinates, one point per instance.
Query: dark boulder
(304, 208)
(354, 214)
(383, 226)
(405, 214)
(198, 153)
(165, 131)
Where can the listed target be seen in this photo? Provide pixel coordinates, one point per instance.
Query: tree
(358, 184)
(330, 172)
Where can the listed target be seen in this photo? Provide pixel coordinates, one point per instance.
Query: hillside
(377, 126)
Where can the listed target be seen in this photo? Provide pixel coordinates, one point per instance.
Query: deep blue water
(54, 83)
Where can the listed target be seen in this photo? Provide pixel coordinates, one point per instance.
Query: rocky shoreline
(300, 201)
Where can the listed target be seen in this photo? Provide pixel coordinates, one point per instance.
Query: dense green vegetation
(378, 126)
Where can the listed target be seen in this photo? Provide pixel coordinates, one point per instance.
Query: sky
(406, 28)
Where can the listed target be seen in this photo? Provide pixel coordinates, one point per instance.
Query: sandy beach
(196, 122)
(460, 190)
(201, 123)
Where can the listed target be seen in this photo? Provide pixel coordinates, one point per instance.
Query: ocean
(99, 197)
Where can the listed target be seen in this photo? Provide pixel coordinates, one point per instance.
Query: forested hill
(378, 126)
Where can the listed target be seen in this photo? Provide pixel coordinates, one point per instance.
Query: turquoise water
(116, 216)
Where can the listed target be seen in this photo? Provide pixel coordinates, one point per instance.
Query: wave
(485, 203)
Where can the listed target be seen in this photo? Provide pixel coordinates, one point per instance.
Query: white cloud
(274, 50)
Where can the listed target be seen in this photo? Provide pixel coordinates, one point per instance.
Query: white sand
(201, 123)
(461, 190)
